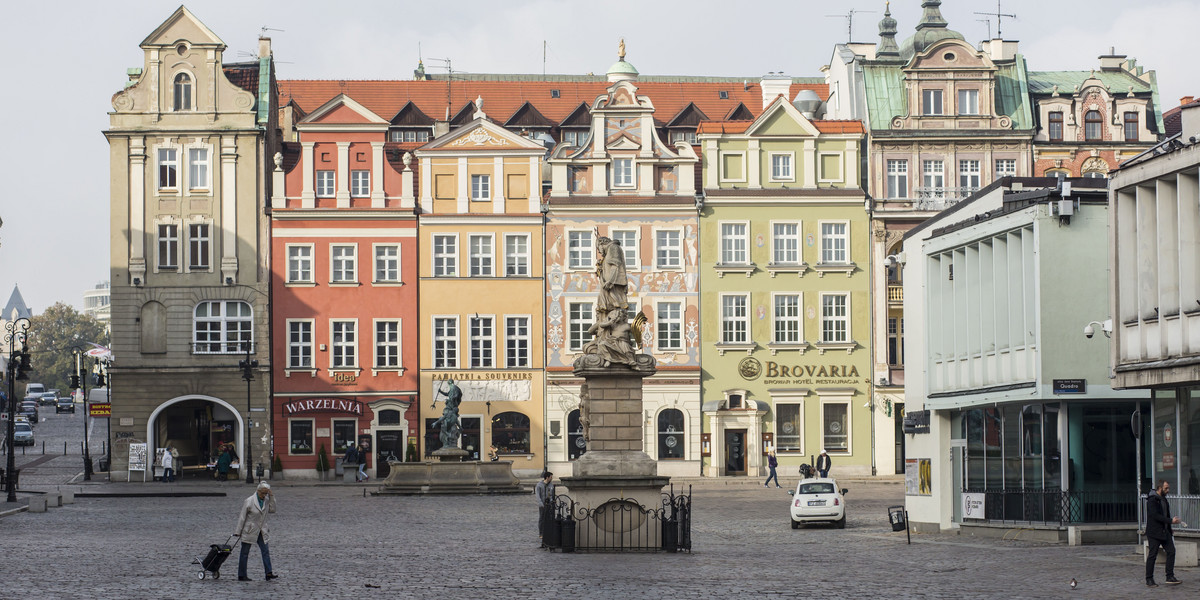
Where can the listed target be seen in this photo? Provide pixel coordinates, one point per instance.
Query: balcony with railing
(927, 199)
(895, 294)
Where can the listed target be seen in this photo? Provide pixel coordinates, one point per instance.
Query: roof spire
(887, 34)
(932, 17)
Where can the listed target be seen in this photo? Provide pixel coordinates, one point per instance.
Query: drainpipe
(868, 205)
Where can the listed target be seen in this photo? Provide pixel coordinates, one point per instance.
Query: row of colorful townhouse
(379, 239)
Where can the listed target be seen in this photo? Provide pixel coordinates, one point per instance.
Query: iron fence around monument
(620, 524)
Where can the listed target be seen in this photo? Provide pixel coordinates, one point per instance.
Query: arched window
(670, 434)
(576, 445)
(222, 326)
(1091, 126)
(389, 417)
(183, 92)
(1059, 173)
(510, 433)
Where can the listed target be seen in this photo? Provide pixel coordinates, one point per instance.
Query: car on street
(29, 409)
(50, 397)
(65, 404)
(22, 434)
(818, 500)
(35, 389)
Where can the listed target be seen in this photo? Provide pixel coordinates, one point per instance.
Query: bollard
(68, 497)
(64, 448)
(37, 504)
(43, 446)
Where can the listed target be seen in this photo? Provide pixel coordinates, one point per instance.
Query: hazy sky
(66, 59)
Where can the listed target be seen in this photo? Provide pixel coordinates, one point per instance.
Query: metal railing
(1058, 506)
(620, 525)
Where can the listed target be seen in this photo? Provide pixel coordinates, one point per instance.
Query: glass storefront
(1013, 446)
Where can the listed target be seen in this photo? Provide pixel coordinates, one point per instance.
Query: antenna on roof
(989, 26)
(449, 76)
(265, 29)
(543, 58)
(849, 17)
(999, 20)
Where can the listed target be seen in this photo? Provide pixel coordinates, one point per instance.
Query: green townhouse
(784, 293)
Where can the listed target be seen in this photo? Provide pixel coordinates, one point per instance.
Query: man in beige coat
(252, 528)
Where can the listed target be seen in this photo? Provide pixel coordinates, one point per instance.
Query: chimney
(264, 47)
(775, 84)
(1111, 61)
(1186, 100)
(1189, 121)
(1000, 49)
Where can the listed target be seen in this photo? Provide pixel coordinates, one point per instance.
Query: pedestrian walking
(350, 459)
(168, 464)
(223, 463)
(1159, 533)
(772, 463)
(542, 493)
(252, 528)
(362, 463)
(824, 463)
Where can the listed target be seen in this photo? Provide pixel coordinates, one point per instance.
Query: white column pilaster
(137, 209)
(229, 207)
(377, 162)
(498, 200)
(308, 196)
(343, 175)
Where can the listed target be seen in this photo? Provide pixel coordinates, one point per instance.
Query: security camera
(1106, 326)
(1089, 331)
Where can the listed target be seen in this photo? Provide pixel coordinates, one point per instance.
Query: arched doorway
(390, 431)
(195, 425)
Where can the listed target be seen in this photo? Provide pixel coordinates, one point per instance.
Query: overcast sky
(66, 59)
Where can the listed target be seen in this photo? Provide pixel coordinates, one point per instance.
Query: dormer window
(183, 92)
(968, 102)
(622, 172)
(931, 102)
(1092, 126)
(724, 95)
(554, 94)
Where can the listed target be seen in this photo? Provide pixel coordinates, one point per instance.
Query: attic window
(181, 49)
(949, 56)
(724, 95)
(554, 93)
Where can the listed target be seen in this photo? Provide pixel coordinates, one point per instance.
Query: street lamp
(79, 381)
(247, 366)
(15, 332)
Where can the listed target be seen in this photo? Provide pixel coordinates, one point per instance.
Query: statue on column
(611, 339)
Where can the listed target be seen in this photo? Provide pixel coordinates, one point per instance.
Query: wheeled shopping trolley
(211, 563)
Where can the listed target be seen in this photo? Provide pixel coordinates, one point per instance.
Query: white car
(818, 500)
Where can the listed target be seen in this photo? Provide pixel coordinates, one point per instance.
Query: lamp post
(77, 380)
(15, 332)
(247, 366)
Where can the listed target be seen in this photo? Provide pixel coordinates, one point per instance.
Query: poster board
(137, 460)
(918, 477)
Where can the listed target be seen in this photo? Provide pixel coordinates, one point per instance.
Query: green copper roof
(1043, 82)
(622, 67)
(886, 96)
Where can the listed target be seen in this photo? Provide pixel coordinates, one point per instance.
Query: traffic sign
(100, 409)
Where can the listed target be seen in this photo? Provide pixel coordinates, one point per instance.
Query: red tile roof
(824, 126)
(501, 99)
(1173, 119)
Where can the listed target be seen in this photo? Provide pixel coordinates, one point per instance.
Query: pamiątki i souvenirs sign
(750, 369)
(304, 405)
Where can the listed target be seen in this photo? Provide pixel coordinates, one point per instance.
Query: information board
(137, 460)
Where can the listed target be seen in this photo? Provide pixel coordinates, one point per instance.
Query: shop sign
(916, 421)
(344, 377)
(489, 376)
(1070, 386)
(100, 409)
(973, 506)
(750, 369)
(1168, 460)
(336, 405)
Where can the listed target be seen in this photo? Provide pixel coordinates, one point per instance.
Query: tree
(51, 336)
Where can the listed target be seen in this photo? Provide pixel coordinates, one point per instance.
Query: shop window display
(510, 433)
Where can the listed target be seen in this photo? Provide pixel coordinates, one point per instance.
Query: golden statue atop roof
(621, 49)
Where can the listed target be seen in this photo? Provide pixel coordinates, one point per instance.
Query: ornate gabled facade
(623, 182)
(190, 139)
(784, 308)
(344, 291)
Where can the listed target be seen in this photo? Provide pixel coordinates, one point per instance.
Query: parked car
(22, 434)
(818, 500)
(50, 397)
(29, 409)
(65, 404)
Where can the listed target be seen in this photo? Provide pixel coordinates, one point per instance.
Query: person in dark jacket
(824, 463)
(362, 462)
(1158, 533)
(542, 493)
(772, 463)
(350, 459)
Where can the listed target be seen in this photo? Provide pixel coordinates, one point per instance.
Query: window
(198, 168)
(931, 102)
(183, 92)
(723, 94)
(895, 333)
(445, 343)
(198, 247)
(344, 343)
(221, 327)
(408, 135)
(516, 349)
(781, 167)
(683, 136)
(933, 173)
(897, 179)
(445, 255)
(628, 238)
(516, 255)
(734, 245)
(835, 238)
(835, 320)
(360, 183)
(670, 434)
(670, 326)
(168, 246)
(968, 102)
(622, 172)
(324, 184)
(1006, 167)
(300, 339)
(835, 432)
(735, 320)
(168, 168)
(481, 186)
(387, 344)
(343, 264)
(579, 250)
(1056, 126)
(344, 435)
(482, 347)
(300, 436)
(788, 425)
(555, 93)
(510, 433)
(1092, 126)
(300, 264)
(968, 175)
(576, 445)
(669, 253)
(387, 263)
(481, 255)
(579, 320)
(1131, 126)
(1094, 175)
(787, 319)
(575, 137)
(785, 243)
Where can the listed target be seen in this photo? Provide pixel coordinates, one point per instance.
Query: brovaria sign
(750, 369)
